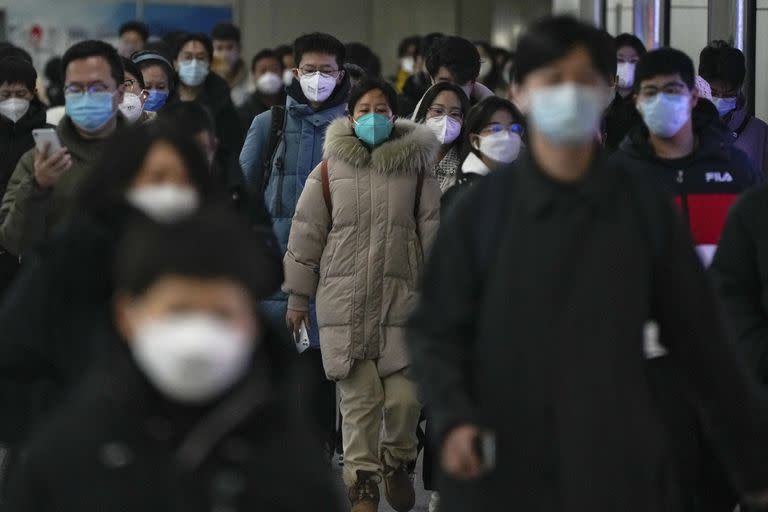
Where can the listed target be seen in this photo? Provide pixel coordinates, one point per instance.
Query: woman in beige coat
(366, 218)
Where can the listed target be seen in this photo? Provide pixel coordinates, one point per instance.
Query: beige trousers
(367, 401)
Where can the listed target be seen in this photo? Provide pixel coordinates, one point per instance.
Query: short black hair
(402, 48)
(130, 67)
(367, 85)
(363, 56)
(200, 38)
(135, 26)
(283, 50)
(480, 115)
(91, 48)
(151, 251)
(17, 71)
(267, 53)
(427, 41)
(554, 37)
(103, 192)
(191, 116)
(665, 61)
(634, 42)
(226, 32)
(456, 54)
(320, 43)
(11, 51)
(720, 61)
(432, 93)
(53, 70)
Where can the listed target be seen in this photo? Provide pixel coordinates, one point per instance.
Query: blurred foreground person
(364, 222)
(62, 293)
(528, 342)
(192, 410)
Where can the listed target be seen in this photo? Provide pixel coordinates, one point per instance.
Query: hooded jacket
(750, 134)
(364, 260)
(705, 184)
(299, 151)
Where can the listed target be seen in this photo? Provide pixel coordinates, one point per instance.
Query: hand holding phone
(51, 159)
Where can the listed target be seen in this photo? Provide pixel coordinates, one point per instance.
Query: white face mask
(14, 108)
(567, 114)
(191, 358)
(485, 67)
(625, 71)
(269, 83)
(665, 114)
(445, 128)
(408, 64)
(502, 147)
(317, 87)
(164, 203)
(131, 107)
(287, 77)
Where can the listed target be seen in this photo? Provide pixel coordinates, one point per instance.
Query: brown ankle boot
(364, 495)
(398, 487)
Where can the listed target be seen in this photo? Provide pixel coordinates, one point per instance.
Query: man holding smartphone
(44, 186)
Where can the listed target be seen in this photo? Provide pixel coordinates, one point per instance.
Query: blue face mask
(90, 111)
(725, 105)
(567, 114)
(193, 72)
(373, 129)
(156, 100)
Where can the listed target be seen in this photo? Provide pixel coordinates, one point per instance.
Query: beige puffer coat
(364, 265)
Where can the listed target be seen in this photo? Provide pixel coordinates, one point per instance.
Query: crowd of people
(545, 270)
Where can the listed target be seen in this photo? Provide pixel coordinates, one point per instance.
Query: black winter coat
(255, 105)
(119, 445)
(620, 118)
(740, 269)
(531, 324)
(15, 140)
(704, 184)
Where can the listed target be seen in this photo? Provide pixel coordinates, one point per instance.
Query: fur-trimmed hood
(411, 149)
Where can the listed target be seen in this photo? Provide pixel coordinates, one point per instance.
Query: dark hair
(171, 40)
(552, 38)
(133, 69)
(481, 114)
(135, 26)
(267, 54)
(456, 54)
(428, 41)
(354, 72)
(17, 71)
(11, 51)
(150, 251)
(720, 61)
(320, 43)
(363, 56)
(634, 42)
(149, 58)
(665, 61)
(283, 50)
(103, 192)
(226, 32)
(92, 48)
(433, 92)
(190, 116)
(367, 85)
(402, 48)
(200, 38)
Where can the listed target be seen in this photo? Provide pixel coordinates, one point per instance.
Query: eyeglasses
(326, 71)
(441, 111)
(79, 90)
(498, 128)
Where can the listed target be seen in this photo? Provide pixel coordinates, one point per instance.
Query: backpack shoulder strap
(275, 136)
(743, 126)
(326, 187)
(419, 189)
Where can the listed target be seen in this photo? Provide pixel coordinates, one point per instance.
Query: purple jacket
(750, 134)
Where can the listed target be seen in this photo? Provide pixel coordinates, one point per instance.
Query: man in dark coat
(20, 113)
(191, 411)
(531, 327)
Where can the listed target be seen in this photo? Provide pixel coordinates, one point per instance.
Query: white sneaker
(434, 502)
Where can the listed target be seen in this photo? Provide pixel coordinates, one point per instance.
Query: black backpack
(276, 129)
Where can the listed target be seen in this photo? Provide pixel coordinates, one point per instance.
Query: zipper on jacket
(683, 195)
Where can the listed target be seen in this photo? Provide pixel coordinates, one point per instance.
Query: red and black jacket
(705, 184)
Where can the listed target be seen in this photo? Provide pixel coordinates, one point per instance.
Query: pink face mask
(445, 128)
